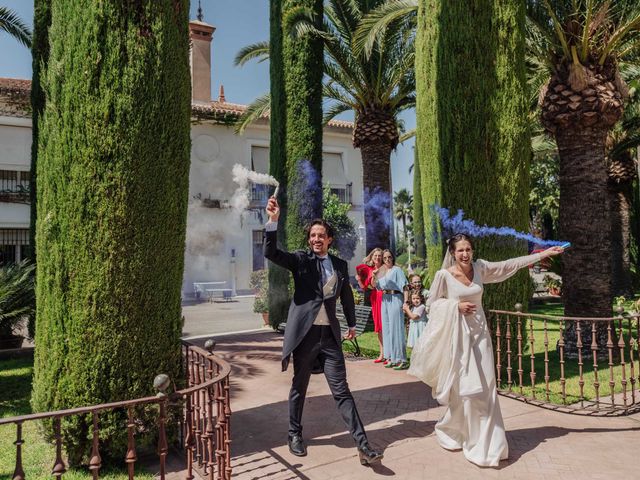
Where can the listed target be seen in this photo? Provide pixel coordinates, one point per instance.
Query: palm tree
(403, 208)
(583, 45)
(376, 85)
(17, 298)
(11, 23)
(624, 139)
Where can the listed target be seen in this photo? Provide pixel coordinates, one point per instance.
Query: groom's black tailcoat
(307, 296)
(316, 345)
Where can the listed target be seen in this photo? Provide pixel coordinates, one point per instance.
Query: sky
(238, 23)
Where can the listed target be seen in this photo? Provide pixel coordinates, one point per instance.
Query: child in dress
(417, 318)
(414, 286)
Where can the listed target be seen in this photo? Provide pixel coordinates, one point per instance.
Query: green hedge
(278, 277)
(113, 165)
(303, 68)
(472, 128)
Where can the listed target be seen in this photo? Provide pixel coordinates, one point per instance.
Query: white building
(15, 166)
(223, 244)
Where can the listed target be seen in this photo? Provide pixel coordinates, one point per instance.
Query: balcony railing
(14, 186)
(203, 408)
(343, 192)
(259, 195)
(600, 376)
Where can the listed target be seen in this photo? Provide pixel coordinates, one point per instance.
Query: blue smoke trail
(458, 224)
(378, 203)
(307, 192)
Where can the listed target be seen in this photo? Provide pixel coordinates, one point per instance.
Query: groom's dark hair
(319, 221)
(458, 237)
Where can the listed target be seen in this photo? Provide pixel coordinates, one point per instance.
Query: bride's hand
(553, 251)
(467, 308)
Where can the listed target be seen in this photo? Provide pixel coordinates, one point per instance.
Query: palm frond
(334, 110)
(406, 136)
(259, 108)
(375, 24)
(628, 143)
(258, 51)
(11, 23)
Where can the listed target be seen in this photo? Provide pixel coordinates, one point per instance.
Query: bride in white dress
(454, 355)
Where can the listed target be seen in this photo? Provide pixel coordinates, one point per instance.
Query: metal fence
(586, 366)
(203, 408)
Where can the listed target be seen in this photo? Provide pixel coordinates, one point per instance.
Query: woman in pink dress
(365, 272)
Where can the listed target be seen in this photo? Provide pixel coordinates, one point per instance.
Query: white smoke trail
(243, 176)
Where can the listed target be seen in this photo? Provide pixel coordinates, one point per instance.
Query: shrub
(17, 298)
(259, 282)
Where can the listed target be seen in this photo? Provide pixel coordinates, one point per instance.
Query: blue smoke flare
(458, 224)
(378, 203)
(307, 192)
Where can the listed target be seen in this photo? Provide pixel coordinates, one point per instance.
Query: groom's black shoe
(369, 456)
(296, 445)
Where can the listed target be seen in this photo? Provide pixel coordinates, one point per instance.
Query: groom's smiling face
(319, 240)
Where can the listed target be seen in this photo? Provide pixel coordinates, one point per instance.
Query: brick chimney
(201, 34)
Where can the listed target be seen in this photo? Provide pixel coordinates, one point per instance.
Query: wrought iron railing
(14, 186)
(599, 376)
(204, 411)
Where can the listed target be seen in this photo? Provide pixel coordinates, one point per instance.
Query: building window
(14, 245)
(260, 163)
(335, 177)
(14, 186)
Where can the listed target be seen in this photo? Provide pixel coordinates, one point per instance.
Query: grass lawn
(37, 455)
(369, 346)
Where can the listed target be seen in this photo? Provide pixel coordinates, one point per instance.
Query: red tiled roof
(15, 94)
(16, 84)
(223, 111)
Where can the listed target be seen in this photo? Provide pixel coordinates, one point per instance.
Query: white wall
(14, 215)
(15, 154)
(212, 233)
(15, 143)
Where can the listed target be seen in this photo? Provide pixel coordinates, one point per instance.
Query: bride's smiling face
(463, 253)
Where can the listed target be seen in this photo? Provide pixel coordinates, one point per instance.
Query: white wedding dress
(454, 356)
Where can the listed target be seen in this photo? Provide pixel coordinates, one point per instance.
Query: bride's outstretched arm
(494, 272)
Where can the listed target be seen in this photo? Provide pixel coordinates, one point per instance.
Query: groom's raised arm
(270, 241)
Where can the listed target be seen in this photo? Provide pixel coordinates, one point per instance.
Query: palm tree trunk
(376, 158)
(583, 195)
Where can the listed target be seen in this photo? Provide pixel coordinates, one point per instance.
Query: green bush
(259, 283)
(112, 191)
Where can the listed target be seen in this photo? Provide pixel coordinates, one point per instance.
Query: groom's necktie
(327, 269)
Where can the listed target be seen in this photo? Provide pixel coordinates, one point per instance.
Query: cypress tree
(40, 56)
(418, 208)
(303, 69)
(113, 164)
(278, 276)
(472, 133)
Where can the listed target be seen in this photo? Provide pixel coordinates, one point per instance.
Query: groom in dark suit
(313, 333)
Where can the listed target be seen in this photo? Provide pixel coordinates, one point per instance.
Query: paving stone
(399, 416)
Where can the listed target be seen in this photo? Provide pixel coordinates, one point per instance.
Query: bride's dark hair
(458, 237)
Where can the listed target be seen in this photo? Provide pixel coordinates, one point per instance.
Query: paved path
(400, 415)
(205, 318)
